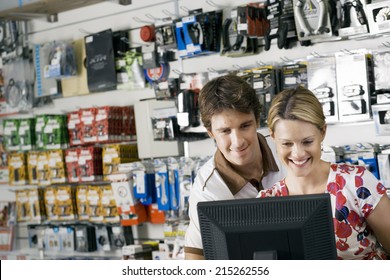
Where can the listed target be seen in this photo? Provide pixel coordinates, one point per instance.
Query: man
(243, 163)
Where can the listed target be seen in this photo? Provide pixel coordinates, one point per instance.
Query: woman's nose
(298, 151)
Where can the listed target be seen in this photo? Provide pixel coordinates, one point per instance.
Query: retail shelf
(36, 254)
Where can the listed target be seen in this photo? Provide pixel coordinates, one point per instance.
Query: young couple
(243, 165)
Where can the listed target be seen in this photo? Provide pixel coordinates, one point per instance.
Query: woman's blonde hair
(296, 104)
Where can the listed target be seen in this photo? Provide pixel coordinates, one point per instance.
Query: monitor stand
(265, 255)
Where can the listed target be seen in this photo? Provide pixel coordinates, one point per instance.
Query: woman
(361, 208)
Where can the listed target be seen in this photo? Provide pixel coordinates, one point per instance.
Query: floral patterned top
(354, 194)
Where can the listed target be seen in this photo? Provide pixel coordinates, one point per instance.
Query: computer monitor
(289, 227)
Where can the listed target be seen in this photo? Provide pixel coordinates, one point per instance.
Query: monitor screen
(290, 227)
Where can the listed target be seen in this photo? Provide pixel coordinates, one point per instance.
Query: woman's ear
(271, 133)
(323, 132)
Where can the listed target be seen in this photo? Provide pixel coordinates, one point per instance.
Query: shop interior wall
(78, 23)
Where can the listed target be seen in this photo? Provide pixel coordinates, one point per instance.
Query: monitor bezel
(217, 219)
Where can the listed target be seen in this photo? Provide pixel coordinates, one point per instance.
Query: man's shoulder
(206, 170)
(209, 181)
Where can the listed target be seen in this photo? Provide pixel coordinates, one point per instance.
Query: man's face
(236, 137)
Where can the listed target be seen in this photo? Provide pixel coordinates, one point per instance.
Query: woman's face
(298, 145)
(236, 137)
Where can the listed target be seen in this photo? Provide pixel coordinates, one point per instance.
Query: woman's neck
(315, 182)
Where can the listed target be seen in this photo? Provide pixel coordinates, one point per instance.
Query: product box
(72, 164)
(110, 210)
(94, 204)
(82, 202)
(23, 208)
(17, 168)
(32, 170)
(90, 164)
(384, 168)
(37, 206)
(100, 61)
(43, 169)
(74, 128)
(381, 116)
(51, 206)
(57, 166)
(354, 85)
(26, 134)
(88, 125)
(321, 76)
(378, 17)
(77, 85)
(293, 75)
(64, 200)
(11, 138)
(130, 211)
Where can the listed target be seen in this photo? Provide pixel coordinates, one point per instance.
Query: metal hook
(237, 67)
(185, 9)
(82, 30)
(139, 44)
(125, 40)
(137, 19)
(285, 59)
(212, 4)
(348, 52)
(150, 16)
(211, 69)
(386, 44)
(260, 63)
(169, 14)
(315, 54)
(178, 72)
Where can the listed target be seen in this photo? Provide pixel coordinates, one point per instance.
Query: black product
(188, 103)
(281, 23)
(100, 62)
(358, 10)
(289, 227)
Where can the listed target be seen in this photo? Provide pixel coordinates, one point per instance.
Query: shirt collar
(232, 178)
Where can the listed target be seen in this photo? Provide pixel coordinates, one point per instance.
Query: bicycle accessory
(100, 61)
(147, 33)
(311, 18)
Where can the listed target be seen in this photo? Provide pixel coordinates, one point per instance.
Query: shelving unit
(76, 23)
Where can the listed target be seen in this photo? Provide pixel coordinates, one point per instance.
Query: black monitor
(290, 227)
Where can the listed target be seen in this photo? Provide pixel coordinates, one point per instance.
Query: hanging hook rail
(169, 14)
(137, 19)
(212, 4)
